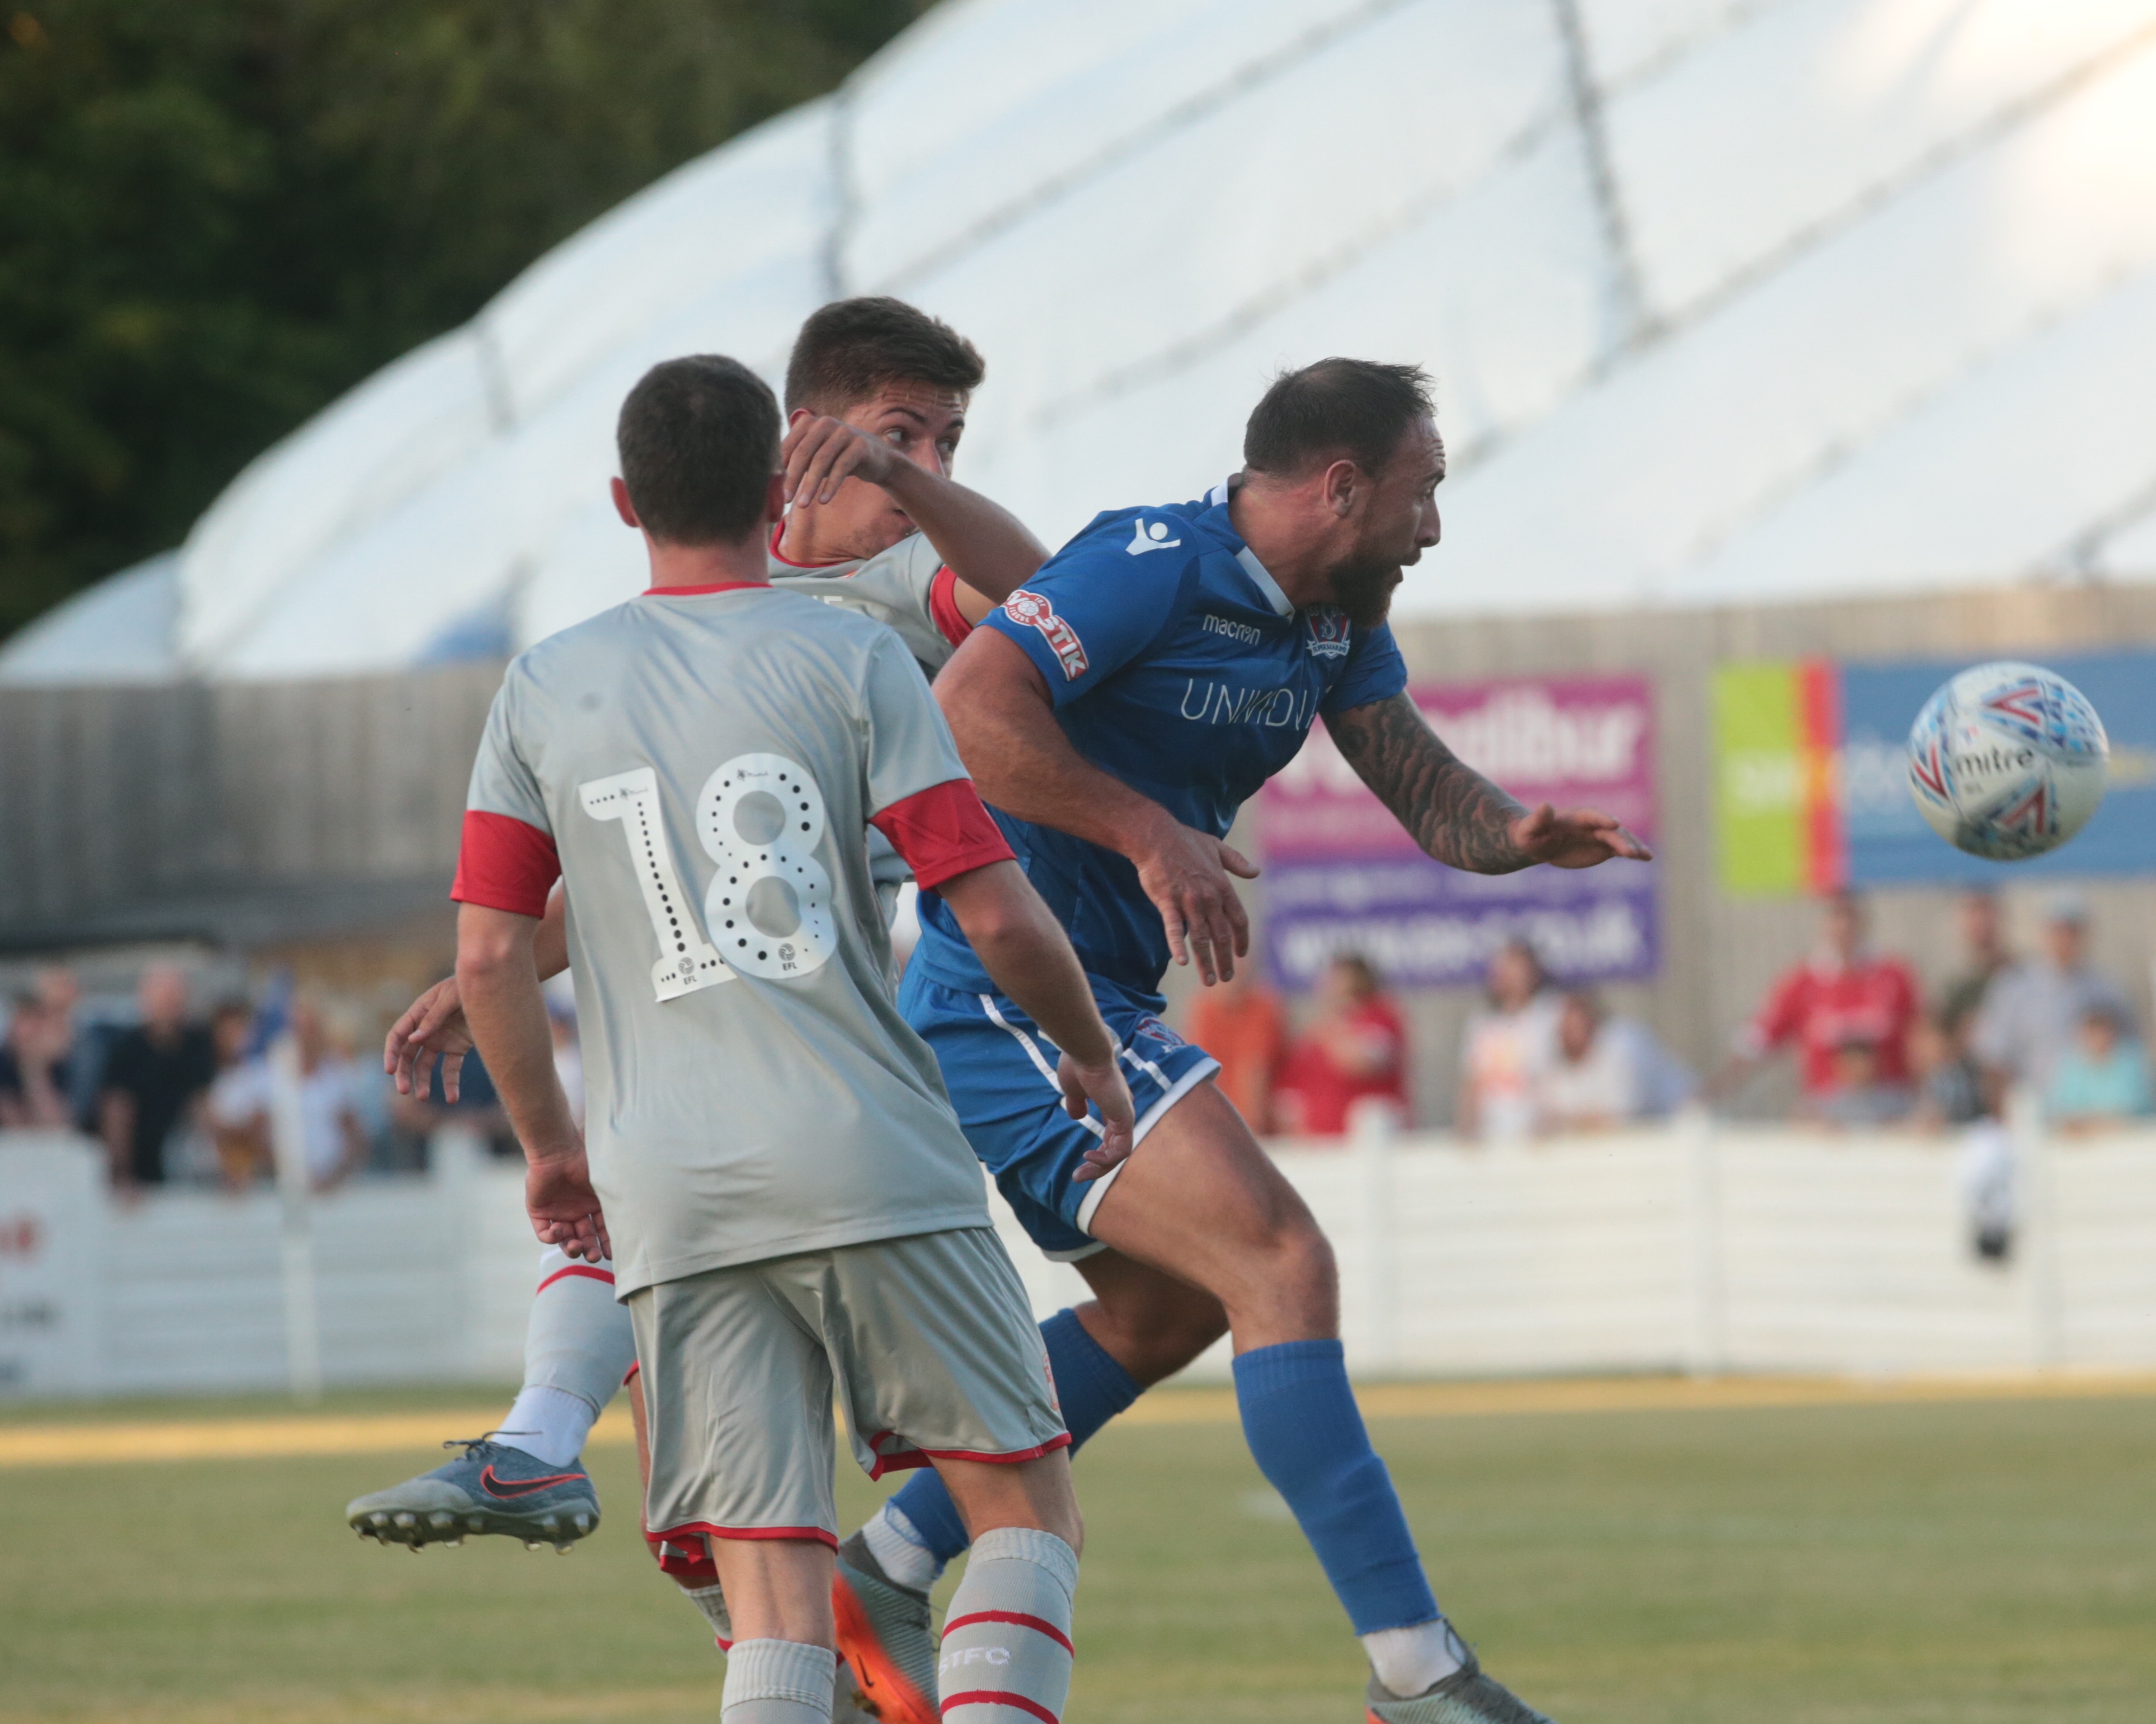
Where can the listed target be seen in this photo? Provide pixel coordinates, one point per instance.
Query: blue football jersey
(1178, 664)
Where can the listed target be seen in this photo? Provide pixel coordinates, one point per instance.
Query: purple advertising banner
(1341, 875)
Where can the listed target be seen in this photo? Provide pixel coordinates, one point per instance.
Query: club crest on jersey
(1328, 629)
(1036, 611)
(1150, 1028)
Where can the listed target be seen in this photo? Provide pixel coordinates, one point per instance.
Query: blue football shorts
(1000, 1071)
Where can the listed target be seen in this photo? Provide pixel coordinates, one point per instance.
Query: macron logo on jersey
(1244, 631)
(1036, 611)
(1144, 538)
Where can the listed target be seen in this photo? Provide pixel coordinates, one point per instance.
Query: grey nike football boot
(1466, 1696)
(491, 1488)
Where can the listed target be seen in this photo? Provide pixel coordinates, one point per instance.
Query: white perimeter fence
(1694, 1247)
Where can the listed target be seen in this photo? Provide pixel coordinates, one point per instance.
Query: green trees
(217, 215)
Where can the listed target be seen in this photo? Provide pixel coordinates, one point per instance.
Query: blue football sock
(1093, 1389)
(1306, 1435)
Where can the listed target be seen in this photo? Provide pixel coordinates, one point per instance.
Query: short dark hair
(698, 442)
(1357, 407)
(851, 348)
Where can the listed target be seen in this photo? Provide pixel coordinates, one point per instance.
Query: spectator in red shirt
(1240, 1022)
(1356, 1049)
(1841, 995)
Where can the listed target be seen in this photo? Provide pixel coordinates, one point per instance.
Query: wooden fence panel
(153, 812)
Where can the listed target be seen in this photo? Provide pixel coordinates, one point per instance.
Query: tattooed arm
(1456, 813)
(1451, 810)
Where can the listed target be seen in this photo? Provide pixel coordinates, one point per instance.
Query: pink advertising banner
(1341, 875)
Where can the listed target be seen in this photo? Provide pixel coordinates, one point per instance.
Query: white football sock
(1006, 1652)
(551, 1424)
(779, 1682)
(577, 1337)
(1411, 1660)
(899, 1550)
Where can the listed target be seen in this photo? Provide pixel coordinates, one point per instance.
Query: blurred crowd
(1535, 1058)
(232, 1093)
(225, 1092)
(1870, 1048)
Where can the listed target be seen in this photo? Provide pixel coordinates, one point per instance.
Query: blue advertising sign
(1889, 843)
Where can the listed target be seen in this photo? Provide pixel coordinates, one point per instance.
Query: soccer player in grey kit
(773, 1164)
(878, 393)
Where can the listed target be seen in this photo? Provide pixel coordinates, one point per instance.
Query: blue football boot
(492, 1488)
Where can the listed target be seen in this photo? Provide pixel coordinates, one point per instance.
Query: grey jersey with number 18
(706, 765)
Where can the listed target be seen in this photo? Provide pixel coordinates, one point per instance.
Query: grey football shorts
(927, 1341)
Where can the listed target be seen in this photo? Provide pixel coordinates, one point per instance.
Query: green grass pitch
(1983, 1563)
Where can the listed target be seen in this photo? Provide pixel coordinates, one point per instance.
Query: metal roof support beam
(1630, 323)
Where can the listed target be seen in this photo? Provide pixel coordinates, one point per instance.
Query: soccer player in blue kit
(1116, 712)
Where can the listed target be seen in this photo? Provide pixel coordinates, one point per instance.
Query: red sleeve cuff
(943, 606)
(943, 832)
(505, 864)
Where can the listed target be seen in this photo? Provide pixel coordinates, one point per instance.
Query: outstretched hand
(563, 1207)
(1185, 872)
(1103, 1086)
(1577, 838)
(821, 453)
(432, 1026)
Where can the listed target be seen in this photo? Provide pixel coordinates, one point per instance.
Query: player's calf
(1007, 1651)
(686, 1560)
(782, 1671)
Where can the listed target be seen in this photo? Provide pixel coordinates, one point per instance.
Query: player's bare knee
(1293, 1276)
(1315, 1272)
(1311, 1253)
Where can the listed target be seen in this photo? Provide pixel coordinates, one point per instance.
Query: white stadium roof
(1728, 300)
